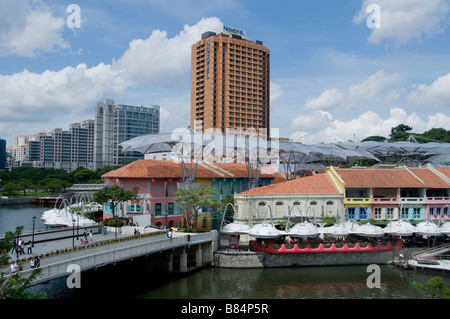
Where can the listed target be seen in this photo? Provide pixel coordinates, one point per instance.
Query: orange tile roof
(390, 178)
(170, 169)
(444, 170)
(317, 184)
(431, 179)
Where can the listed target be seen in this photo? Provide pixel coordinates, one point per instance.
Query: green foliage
(435, 287)
(114, 194)
(15, 287)
(194, 199)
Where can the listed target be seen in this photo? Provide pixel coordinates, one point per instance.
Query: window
(377, 213)
(363, 213)
(158, 209)
(157, 189)
(416, 213)
(171, 208)
(351, 213)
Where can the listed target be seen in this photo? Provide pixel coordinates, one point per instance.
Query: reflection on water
(293, 283)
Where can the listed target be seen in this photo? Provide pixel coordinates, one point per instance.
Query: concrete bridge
(180, 253)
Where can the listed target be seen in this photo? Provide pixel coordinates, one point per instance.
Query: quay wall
(251, 259)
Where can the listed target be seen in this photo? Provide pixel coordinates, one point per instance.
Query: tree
(114, 195)
(400, 132)
(374, 138)
(15, 287)
(436, 287)
(195, 199)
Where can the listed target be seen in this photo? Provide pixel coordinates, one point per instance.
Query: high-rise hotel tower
(230, 84)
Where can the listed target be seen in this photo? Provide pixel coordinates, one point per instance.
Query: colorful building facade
(156, 183)
(382, 194)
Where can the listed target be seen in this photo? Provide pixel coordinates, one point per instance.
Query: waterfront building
(382, 194)
(156, 183)
(115, 124)
(230, 84)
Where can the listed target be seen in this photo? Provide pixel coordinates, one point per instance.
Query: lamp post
(17, 243)
(78, 223)
(73, 232)
(32, 238)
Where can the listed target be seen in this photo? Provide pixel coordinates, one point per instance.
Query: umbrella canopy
(369, 230)
(428, 228)
(399, 228)
(235, 229)
(303, 230)
(264, 230)
(445, 229)
(337, 230)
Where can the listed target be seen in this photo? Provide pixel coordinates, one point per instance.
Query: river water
(341, 282)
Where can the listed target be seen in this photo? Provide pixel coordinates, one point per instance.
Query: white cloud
(369, 124)
(437, 94)
(160, 60)
(405, 20)
(69, 95)
(29, 27)
(327, 100)
(356, 95)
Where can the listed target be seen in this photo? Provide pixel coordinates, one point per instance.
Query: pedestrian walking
(29, 248)
(90, 236)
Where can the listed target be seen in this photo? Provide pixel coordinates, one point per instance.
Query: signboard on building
(232, 31)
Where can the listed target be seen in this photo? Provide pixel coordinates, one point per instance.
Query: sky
(340, 70)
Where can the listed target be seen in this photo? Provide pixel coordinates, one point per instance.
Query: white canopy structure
(192, 147)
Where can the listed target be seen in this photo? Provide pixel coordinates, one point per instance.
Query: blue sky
(333, 78)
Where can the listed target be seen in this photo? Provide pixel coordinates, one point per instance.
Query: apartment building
(115, 124)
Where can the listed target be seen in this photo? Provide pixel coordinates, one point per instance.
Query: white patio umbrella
(235, 229)
(303, 230)
(399, 228)
(266, 230)
(428, 228)
(369, 230)
(445, 229)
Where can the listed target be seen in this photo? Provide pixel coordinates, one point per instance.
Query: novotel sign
(230, 30)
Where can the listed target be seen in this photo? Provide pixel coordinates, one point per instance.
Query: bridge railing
(116, 253)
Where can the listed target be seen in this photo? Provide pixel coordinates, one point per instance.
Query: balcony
(356, 201)
(385, 200)
(438, 200)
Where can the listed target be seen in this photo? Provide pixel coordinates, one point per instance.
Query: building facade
(380, 194)
(115, 124)
(230, 84)
(156, 182)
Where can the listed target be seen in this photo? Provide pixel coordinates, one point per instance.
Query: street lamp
(34, 222)
(78, 223)
(17, 243)
(73, 232)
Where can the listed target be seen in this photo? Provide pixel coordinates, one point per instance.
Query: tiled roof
(444, 170)
(430, 179)
(390, 178)
(317, 184)
(170, 169)
(155, 169)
